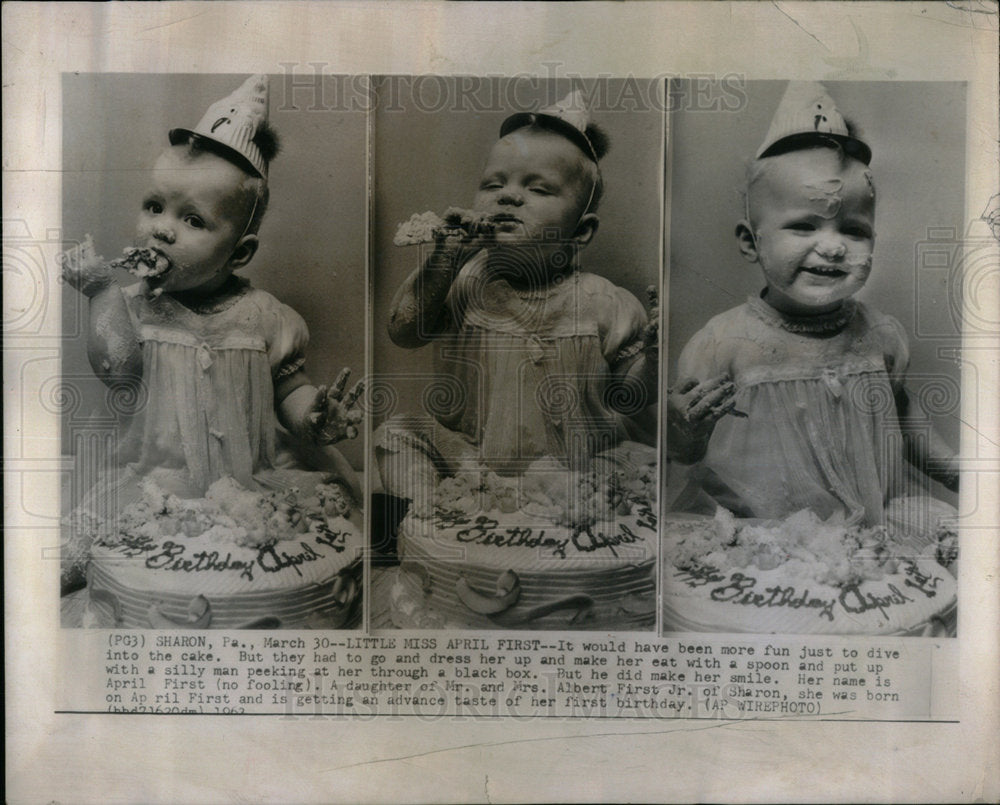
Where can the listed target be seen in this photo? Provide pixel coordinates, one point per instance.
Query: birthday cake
(802, 575)
(546, 549)
(237, 558)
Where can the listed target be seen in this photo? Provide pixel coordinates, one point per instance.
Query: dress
(821, 430)
(207, 404)
(525, 374)
(209, 376)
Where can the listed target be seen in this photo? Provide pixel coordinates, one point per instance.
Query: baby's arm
(643, 369)
(693, 408)
(926, 449)
(113, 346)
(418, 311)
(320, 417)
(924, 446)
(695, 404)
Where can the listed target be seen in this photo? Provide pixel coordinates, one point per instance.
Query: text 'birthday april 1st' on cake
(234, 559)
(802, 575)
(546, 549)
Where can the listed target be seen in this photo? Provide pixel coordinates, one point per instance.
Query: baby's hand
(693, 408)
(945, 471)
(84, 269)
(335, 415)
(463, 233)
(651, 332)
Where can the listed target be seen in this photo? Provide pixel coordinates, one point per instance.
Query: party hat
(808, 115)
(569, 118)
(233, 122)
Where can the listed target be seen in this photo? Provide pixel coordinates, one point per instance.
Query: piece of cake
(142, 262)
(426, 227)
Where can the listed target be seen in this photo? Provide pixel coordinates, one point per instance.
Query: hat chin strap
(750, 226)
(253, 212)
(590, 200)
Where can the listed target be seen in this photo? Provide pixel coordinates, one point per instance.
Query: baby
(796, 399)
(544, 359)
(220, 362)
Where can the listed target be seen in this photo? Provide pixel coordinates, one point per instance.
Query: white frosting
(149, 567)
(710, 595)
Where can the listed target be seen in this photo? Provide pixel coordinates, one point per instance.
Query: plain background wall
(431, 137)
(312, 253)
(917, 135)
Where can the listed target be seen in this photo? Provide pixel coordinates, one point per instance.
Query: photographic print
(813, 422)
(501, 402)
(515, 342)
(215, 483)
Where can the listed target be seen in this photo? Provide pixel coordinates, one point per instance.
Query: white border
(78, 758)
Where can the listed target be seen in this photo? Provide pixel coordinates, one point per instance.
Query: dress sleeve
(287, 336)
(700, 359)
(895, 349)
(465, 288)
(621, 335)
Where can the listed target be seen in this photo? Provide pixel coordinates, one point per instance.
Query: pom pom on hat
(569, 118)
(239, 124)
(807, 115)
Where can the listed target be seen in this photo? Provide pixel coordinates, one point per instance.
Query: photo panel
(203, 492)
(514, 346)
(813, 338)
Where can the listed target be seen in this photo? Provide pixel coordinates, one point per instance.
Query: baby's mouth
(505, 222)
(147, 263)
(833, 272)
(162, 265)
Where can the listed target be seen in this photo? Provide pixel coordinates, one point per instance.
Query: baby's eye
(862, 232)
(152, 206)
(801, 226)
(540, 191)
(194, 221)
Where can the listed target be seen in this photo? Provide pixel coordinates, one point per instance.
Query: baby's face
(194, 213)
(539, 184)
(814, 218)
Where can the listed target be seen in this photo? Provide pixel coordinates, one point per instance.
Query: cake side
(470, 596)
(227, 560)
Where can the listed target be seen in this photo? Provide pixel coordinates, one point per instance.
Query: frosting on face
(813, 219)
(824, 196)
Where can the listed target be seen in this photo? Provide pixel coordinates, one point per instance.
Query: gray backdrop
(429, 155)
(917, 135)
(312, 253)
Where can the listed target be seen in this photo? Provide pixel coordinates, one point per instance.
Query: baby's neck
(802, 311)
(527, 277)
(200, 299)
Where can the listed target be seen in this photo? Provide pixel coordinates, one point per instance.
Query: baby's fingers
(707, 387)
(319, 402)
(653, 295)
(340, 384)
(683, 387)
(651, 332)
(356, 391)
(714, 403)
